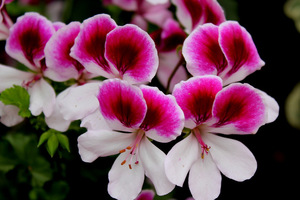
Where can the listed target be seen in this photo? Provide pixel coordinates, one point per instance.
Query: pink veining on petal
(239, 105)
(28, 38)
(239, 50)
(61, 66)
(196, 96)
(164, 119)
(132, 54)
(89, 46)
(119, 101)
(202, 52)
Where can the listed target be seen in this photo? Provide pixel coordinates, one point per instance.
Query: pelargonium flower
(26, 43)
(226, 50)
(192, 13)
(210, 110)
(154, 11)
(167, 40)
(112, 51)
(5, 21)
(133, 114)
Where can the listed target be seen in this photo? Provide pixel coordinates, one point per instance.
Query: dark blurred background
(276, 145)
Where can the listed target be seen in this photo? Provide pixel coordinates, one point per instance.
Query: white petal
(125, 183)
(10, 76)
(42, 98)
(180, 159)
(80, 101)
(153, 159)
(94, 121)
(101, 143)
(205, 179)
(232, 157)
(9, 115)
(272, 107)
(56, 120)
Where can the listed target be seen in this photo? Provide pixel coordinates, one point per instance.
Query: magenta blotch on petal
(239, 109)
(239, 50)
(28, 38)
(196, 97)
(192, 13)
(202, 51)
(121, 104)
(61, 66)
(89, 46)
(164, 119)
(132, 54)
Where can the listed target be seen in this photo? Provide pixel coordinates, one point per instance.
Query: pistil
(205, 148)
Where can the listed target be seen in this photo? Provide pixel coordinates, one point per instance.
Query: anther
(122, 151)
(124, 161)
(130, 166)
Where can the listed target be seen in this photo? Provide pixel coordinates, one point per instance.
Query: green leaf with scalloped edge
(17, 96)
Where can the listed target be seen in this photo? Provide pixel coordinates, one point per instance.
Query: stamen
(133, 149)
(122, 151)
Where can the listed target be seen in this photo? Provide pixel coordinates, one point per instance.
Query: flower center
(205, 148)
(30, 83)
(133, 149)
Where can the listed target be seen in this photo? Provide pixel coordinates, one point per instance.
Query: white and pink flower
(125, 52)
(133, 114)
(26, 43)
(192, 13)
(209, 110)
(226, 50)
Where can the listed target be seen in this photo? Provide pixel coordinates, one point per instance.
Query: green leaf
(63, 141)
(45, 136)
(41, 172)
(17, 96)
(52, 144)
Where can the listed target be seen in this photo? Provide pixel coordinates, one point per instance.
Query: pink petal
(232, 158)
(10, 76)
(152, 159)
(164, 119)
(180, 159)
(61, 66)
(171, 36)
(146, 195)
(42, 98)
(79, 101)
(202, 52)
(192, 13)
(156, 14)
(88, 48)
(205, 179)
(238, 109)
(239, 50)
(167, 63)
(195, 97)
(101, 143)
(129, 5)
(125, 183)
(121, 104)
(132, 54)
(28, 38)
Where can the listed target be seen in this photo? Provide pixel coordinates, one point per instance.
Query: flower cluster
(200, 58)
